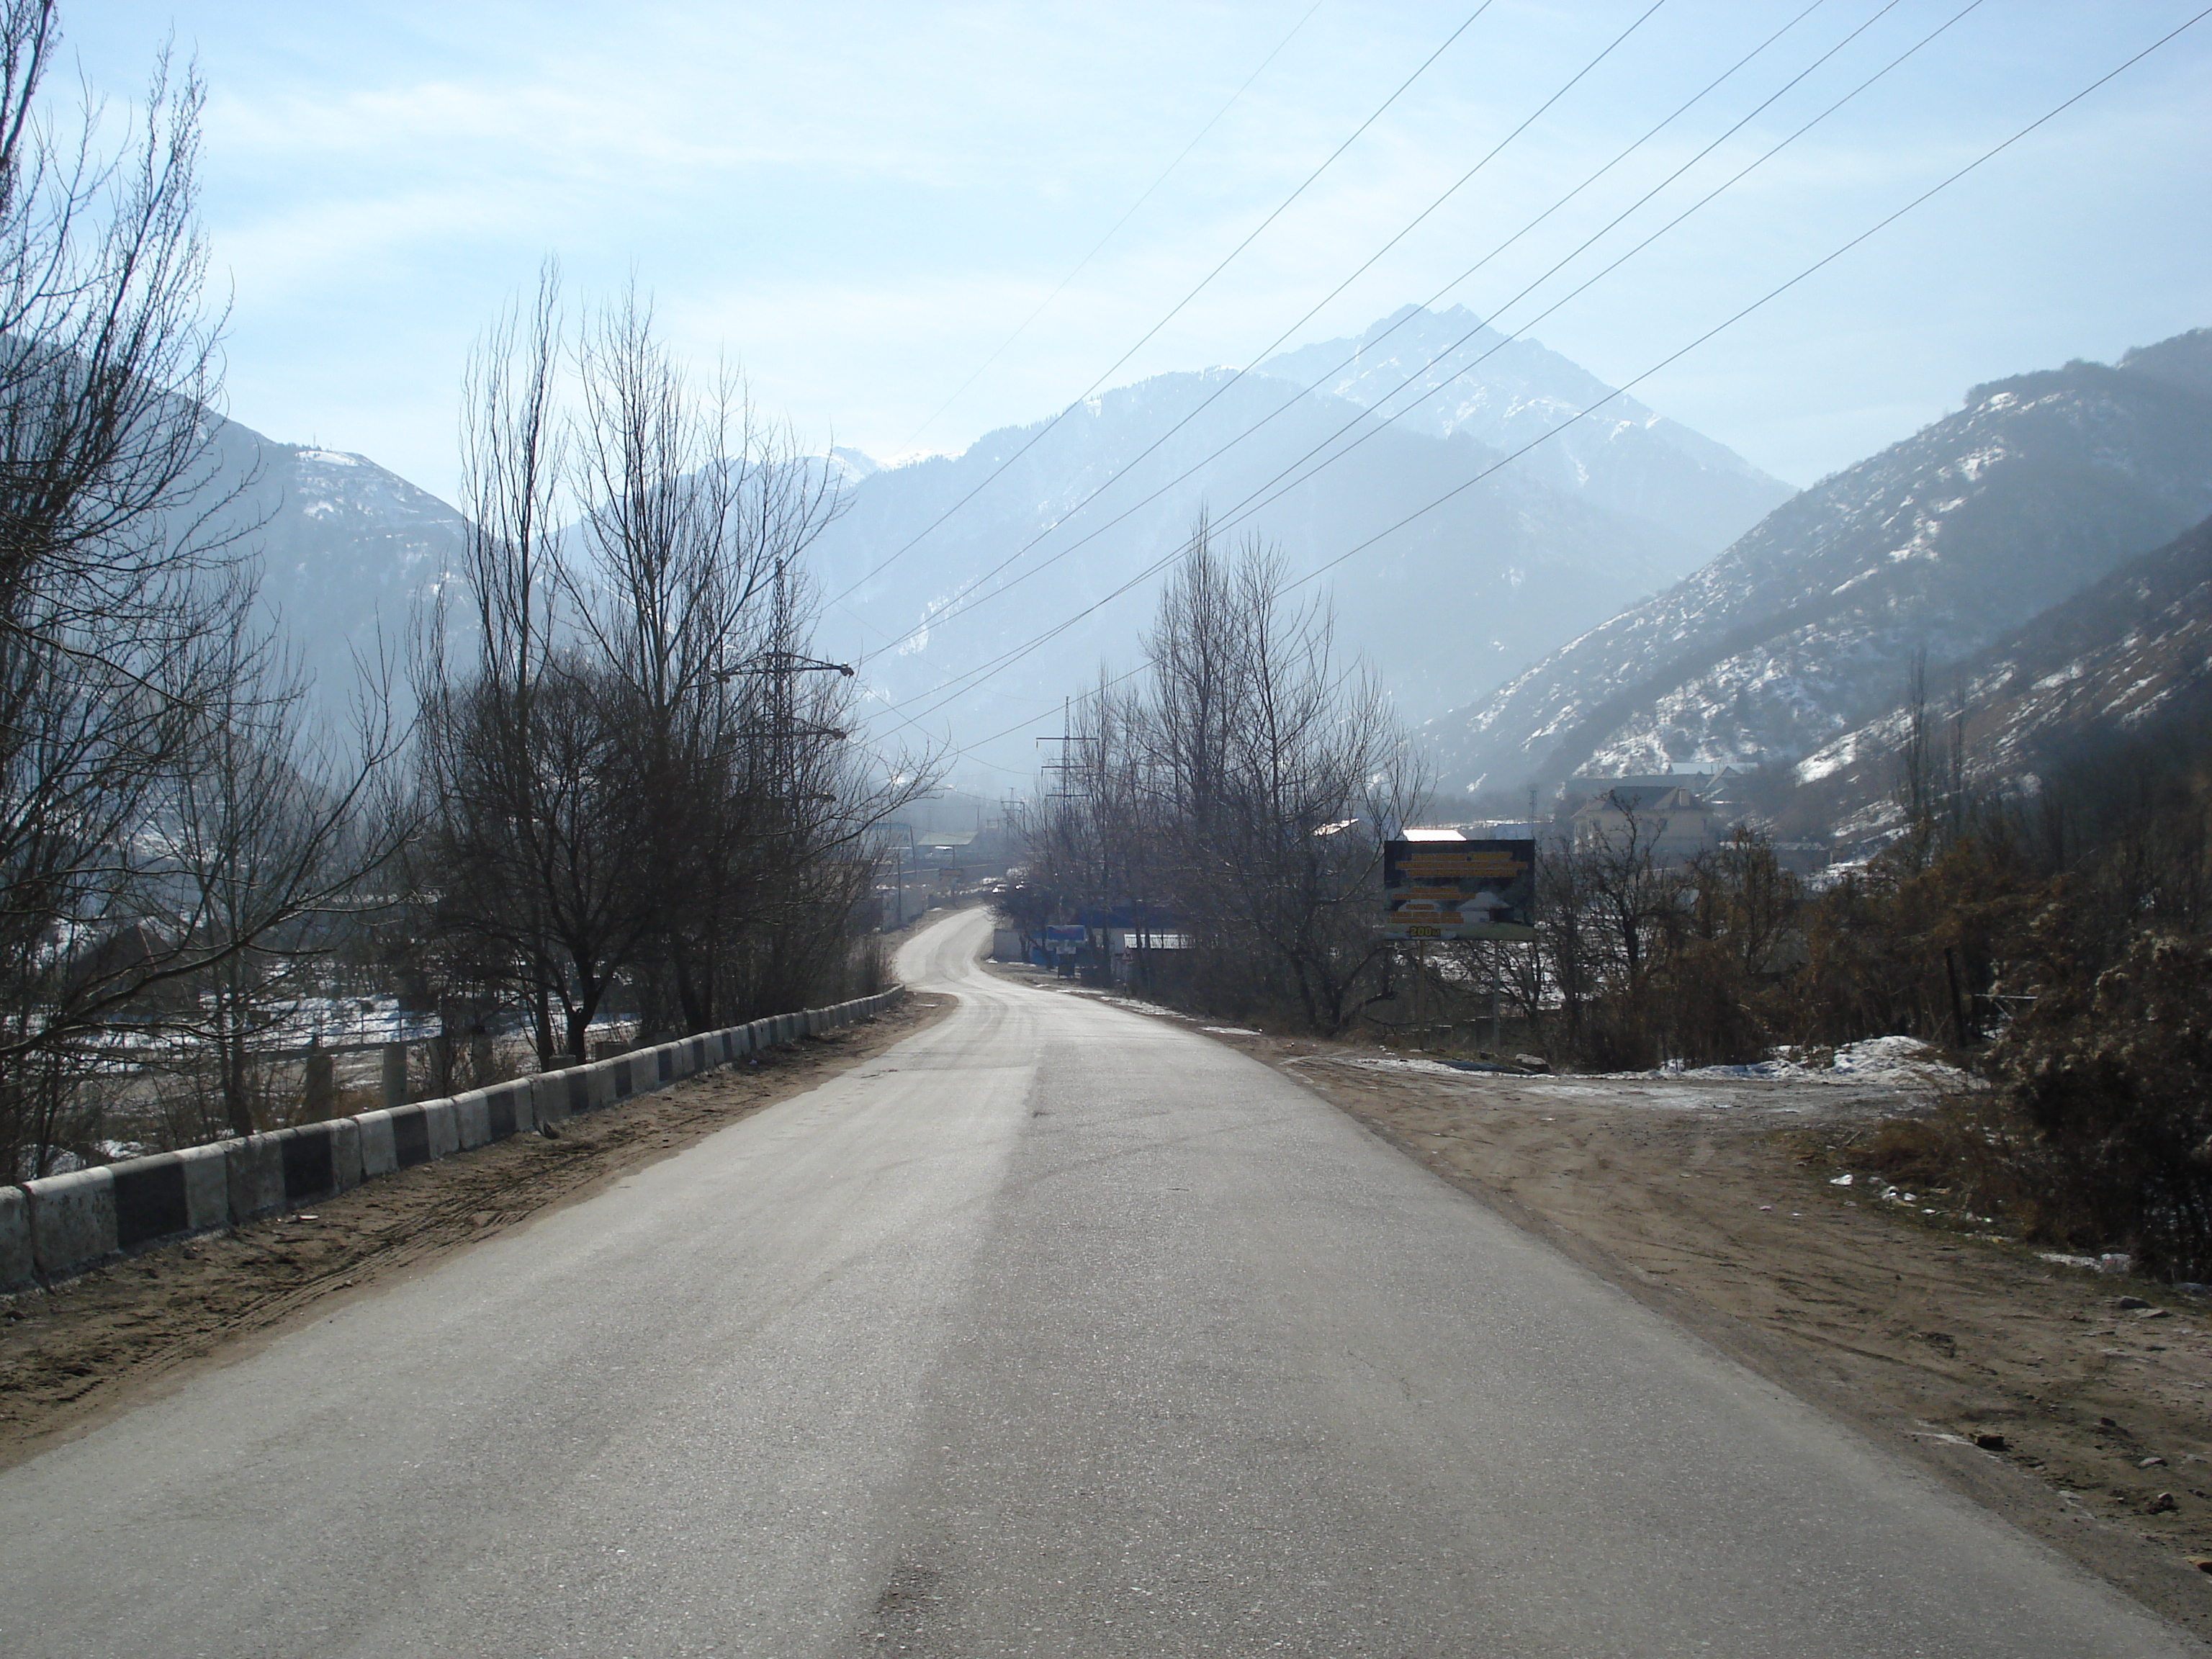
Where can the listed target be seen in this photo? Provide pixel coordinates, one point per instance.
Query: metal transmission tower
(779, 667)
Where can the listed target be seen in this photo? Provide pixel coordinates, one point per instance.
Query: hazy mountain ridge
(1463, 595)
(1458, 599)
(1805, 626)
(1509, 394)
(344, 545)
(1545, 553)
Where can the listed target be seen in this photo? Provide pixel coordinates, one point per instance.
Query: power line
(1776, 292)
(1253, 503)
(1766, 298)
(962, 607)
(1260, 498)
(1082, 264)
(892, 643)
(1174, 311)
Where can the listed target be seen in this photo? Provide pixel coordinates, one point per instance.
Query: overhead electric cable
(1772, 293)
(894, 643)
(1365, 265)
(1258, 498)
(1082, 264)
(1176, 309)
(1014, 655)
(1252, 503)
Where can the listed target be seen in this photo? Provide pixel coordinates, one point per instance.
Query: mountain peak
(1447, 372)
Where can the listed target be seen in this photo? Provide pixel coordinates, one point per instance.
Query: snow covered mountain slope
(2119, 654)
(1445, 372)
(1805, 628)
(344, 547)
(1455, 601)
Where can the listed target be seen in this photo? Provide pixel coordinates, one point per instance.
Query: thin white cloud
(860, 200)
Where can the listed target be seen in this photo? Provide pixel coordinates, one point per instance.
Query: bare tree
(125, 648)
(1248, 793)
(272, 833)
(639, 781)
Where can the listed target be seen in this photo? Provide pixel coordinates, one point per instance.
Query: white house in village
(1662, 818)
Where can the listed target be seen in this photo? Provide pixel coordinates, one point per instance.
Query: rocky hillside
(1804, 629)
(2115, 657)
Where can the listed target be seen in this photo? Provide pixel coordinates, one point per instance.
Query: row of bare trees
(1234, 797)
(633, 776)
(1639, 957)
(626, 778)
(174, 835)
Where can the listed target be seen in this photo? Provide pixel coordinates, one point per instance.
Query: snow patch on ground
(1898, 1062)
(1130, 1003)
(1404, 1063)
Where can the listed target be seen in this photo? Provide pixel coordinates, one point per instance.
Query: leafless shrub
(1242, 797)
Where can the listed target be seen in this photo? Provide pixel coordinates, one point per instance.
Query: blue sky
(858, 203)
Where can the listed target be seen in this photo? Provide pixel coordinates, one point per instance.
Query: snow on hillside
(1806, 627)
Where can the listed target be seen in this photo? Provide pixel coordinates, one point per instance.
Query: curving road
(1054, 1330)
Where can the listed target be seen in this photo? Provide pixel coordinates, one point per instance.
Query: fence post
(322, 1090)
(395, 1075)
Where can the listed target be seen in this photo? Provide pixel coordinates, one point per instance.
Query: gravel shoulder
(97, 1344)
(1708, 1200)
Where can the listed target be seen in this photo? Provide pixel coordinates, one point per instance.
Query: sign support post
(1421, 994)
(1497, 1036)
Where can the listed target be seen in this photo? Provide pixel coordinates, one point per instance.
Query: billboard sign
(1447, 889)
(1066, 941)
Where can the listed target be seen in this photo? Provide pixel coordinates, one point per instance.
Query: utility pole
(1063, 766)
(1421, 993)
(899, 874)
(778, 668)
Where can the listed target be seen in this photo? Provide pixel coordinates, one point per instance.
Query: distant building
(1503, 830)
(1661, 817)
(1714, 785)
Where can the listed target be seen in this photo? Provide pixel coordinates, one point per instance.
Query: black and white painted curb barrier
(62, 1224)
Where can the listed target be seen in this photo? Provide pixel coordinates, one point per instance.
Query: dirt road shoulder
(2028, 1387)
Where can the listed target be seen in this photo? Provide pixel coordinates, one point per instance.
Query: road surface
(1054, 1330)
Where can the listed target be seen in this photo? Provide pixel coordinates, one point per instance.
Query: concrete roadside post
(72, 1220)
(18, 1267)
(395, 1075)
(549, 1101)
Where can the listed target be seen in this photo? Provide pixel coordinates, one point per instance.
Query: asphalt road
(1055, 1330)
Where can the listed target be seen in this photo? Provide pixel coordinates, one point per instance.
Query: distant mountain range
(1558, 539)
(1802, 632)
(2044, 549)
(344, 546)
(1455, 601)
